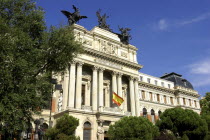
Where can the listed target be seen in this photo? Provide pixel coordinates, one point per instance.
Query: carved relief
(114, 50)
(88, 42)
(124, 54)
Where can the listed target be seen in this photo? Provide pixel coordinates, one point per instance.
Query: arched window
(144, 112)
(153, 116)
(159, 113)
(87, 131)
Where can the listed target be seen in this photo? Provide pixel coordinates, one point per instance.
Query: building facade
(108, 66)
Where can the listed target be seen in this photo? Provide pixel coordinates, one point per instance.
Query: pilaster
(137, 97)
(132, 96)
(72, 85)
(79, 85)
(95, 88)
(101, 85)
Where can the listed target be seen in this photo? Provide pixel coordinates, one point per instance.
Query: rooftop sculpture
(102, 21)
(125, 35)
(73, 17)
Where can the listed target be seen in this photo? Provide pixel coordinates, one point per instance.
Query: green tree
(29, 53)
(64, 128)
(133, 128)
(205, 110)
(183, 122)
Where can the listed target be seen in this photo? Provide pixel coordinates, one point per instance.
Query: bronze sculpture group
(75, 17)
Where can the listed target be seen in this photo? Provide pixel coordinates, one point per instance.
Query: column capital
(131, 78)
(136, 78)
(95, 68)
(101, 69)
(73, 62)
(80, 63)
(114, 73)
(119, 74)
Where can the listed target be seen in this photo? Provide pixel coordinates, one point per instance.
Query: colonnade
(72, 94)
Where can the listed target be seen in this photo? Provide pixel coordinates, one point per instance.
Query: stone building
(109, 66)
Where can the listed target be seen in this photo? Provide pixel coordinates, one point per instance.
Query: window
(143, 94)
(148, 80)
(83, 94)
(169, 86)
(159, 113)
(153, 116)
(87, 131)
(162, 84)
(150, 95)
(164, 99)
(184, 102)
(144, 112)
(141, 78)
(190, 104)
(195, 103)
(177, 100)
(156, 82)
(158, 97)
(171, 99)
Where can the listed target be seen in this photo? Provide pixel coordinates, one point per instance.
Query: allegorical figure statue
(73, 17)
(124, 36)
(102, 21)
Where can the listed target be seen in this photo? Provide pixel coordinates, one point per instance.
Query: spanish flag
(117, 99)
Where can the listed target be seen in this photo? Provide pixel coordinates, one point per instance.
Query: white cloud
(162, 24)
(196, 19)
(200, 73)
(202, 81)
(201, 67)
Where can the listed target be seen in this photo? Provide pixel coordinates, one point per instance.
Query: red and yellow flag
(117, 99)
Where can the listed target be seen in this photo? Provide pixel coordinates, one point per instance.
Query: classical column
(114, 82)
(79, 85)
(137, 97)
(101, 85)
(65, 89)
(95, 89)
(119, 90)
(132, 97)
(114, 87)
(72, 85)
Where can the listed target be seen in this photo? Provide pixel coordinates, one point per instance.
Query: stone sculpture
(102, 21)
(73, 17)
(124, 36)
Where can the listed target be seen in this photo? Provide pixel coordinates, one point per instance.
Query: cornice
(112, 58)
(153, 102)
(147, 85)
(180, 91)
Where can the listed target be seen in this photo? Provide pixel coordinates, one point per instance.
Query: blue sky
(171, 35)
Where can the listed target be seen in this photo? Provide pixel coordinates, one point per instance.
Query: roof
(177, 79)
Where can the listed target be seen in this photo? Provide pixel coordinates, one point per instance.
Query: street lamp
(57, 87)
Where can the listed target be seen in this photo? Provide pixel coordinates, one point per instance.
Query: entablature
(113, 58)
(105, 42)
(155, 87)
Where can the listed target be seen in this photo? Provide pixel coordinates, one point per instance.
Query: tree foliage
(205, 110)
(133, 128)
(183, 122)
(29, 53)
(64, 128)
